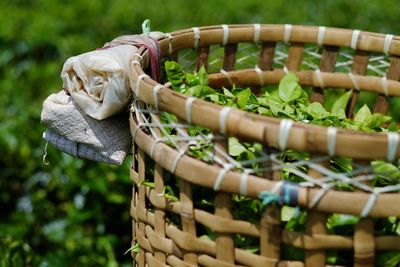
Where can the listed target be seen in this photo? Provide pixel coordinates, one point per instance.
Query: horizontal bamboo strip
(250, 78)
(211, 35)
(203, 174)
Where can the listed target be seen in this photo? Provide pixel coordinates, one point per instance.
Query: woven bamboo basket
(167, 230)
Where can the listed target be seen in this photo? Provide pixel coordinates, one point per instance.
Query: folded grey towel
(70, 130)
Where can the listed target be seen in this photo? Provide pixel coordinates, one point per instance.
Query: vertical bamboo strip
(225, 247)
(270, 233)
(187, 217)
(316, 224)
(364, 244)
(229, 57)
(382, 104)
(295, 56)
(266, 58)
(202, 58)
(360, 64)
(159, 214)
(327, 64)
(141, 202)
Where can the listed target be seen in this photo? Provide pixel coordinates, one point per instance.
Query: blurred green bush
(75, 212)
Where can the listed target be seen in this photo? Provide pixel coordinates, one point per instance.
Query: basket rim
(260, 128)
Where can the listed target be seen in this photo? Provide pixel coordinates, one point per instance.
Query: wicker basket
(167, 231)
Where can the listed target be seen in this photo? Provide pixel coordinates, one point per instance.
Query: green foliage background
(74, 212)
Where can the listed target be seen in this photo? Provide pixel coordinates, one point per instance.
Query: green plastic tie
(146, 27)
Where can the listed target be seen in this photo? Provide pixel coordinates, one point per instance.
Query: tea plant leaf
(289, 89)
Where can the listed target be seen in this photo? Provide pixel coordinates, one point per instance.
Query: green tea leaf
(316, 110)
(200, 91)
(235, 147)
(378, 119)
(175, 74)
(387, 259)
(363, 116)
(228, 93)
(340, 105)
(289, 89)
(388, 174)
(342, 223)
(242, 98)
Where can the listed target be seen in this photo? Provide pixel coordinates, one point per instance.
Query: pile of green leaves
(289, 100)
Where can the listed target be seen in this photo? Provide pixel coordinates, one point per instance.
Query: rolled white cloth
(98, 80)
(72, 131)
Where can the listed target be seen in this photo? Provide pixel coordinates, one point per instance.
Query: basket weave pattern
(374, 66)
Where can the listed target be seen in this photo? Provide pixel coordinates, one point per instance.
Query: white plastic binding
(220, 178)
(284, 130)
(226, 34)
(321, 35)
(259, 74)
(369, 205)
(196, 32)
(331, 140)
(387, 43)
(257, 32)
(354, 81)
(170, 48)
(319, 78)
(354, 39)
(188, 109)
(287, 33)
(393, 143)
(226, 74)
(139, 79)
(156, 89)
(222, 119)
(243, 182)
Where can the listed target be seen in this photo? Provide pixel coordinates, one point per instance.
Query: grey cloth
(70, 130)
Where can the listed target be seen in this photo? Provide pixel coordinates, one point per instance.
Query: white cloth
(98, 80)
(72, 131)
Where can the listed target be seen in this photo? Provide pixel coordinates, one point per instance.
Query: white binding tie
(196, 38)
(188, 109)
(354, 39)
(287, 33)
(220, 177)
(319, 78)
(284, 130)
(392, 144)
(369, 205)
(226, 74)
(156, 89)
(170, 47)
(387, 43)
(222, 119)
(243, 182)
(259, 74)
(225, 28)
(257, 32)
(321, 35)
(331, 140)
(354, 81)
(139, 79)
